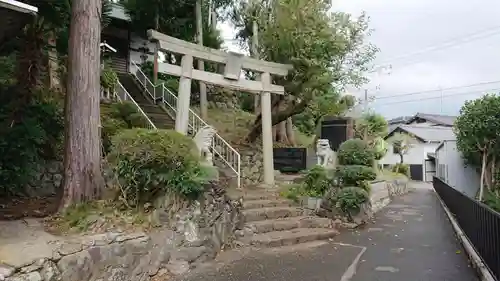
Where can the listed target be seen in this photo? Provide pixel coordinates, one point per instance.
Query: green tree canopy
(478, 137)
(326, 49)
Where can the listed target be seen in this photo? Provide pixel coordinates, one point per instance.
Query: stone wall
(251, 166)
(383, 191)
(47, 179)
(200, 232)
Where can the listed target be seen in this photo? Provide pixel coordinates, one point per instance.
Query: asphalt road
(411, 240)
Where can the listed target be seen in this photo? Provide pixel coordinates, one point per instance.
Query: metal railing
(220, 147)
(479, 222)
(121, 94)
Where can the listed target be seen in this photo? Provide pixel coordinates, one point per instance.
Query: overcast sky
(431, 44)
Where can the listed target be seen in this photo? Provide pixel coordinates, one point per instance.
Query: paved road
(410, 240)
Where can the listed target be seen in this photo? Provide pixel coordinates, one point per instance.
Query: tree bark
(155, 63)
(83, 179)
(281, 136)
(278, 116)
(201, 64)
(289, 131)
(254, 50)
(53, 63)
(483, 170)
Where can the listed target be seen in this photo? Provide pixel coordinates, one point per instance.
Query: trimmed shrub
(151, 163)
(317, 181)
(355, 152)
(401, 169)
(355, 175)
(379, 148)
(117, 117)
(350, 199)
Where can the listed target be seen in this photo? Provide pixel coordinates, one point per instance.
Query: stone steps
(270, 213)
(255, 195)
(291, 237)
(289, 223)
(272, 221)
(266, 203)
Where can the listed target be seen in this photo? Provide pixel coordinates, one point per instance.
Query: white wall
(136, 43)
(452, 170)
(414, 155)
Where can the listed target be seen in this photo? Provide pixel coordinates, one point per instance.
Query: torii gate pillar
(234, 63)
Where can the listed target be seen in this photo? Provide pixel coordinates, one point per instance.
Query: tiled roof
(427, 133)
(445, 120)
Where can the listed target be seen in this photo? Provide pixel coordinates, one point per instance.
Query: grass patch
(385, 174)
(97, 217)
(234, 125)
(293, 192)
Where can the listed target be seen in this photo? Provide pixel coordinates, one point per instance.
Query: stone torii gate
(231, 78)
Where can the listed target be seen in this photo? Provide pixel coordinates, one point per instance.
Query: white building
(428, 131)
(452, 170)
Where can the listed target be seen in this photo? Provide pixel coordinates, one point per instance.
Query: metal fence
(479, 222)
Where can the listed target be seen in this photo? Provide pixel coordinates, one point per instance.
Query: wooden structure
(337, 130)
(232, 78)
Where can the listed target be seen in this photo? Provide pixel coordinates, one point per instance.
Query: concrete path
(410, 240)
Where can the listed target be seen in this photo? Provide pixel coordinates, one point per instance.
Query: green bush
(317, 181)
(117, 117)
(151, 163)
(109, 78)
(401, 169)
(293, 192)
(355, 152)
(350, 199)
(25, 144)
(356, 175)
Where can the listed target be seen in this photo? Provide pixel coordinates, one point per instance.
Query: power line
(437, 90)
(440, 97)
(450, 43)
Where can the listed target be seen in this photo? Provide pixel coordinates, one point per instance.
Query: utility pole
(441, 100)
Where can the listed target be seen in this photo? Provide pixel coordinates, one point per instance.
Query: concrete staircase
(271, 221)
(154, 112)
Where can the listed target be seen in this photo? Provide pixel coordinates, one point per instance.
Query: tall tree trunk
(83, 179)
(483, 171)
(281, 133)
(53, 63)
(201, 64)
(289, 131)
(254, 50)
(155, 63)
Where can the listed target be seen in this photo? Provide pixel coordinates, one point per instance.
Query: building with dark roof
(426, 132)
(14, 15)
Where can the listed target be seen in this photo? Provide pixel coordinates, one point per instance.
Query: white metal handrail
(121, 94)
(220, 147)
(144, 81)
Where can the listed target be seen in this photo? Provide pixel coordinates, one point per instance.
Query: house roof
(444, 120)
(426, 133)
(13, 16)
(399, 120)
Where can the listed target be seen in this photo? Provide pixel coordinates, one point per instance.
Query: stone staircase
(271, 221)
(154, 112)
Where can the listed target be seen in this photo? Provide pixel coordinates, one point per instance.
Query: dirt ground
(14, 208)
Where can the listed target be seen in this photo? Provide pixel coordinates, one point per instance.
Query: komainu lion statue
(324, 152)
(203, 139)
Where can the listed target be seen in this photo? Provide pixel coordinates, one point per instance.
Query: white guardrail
(220, 147)
(121, 94)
